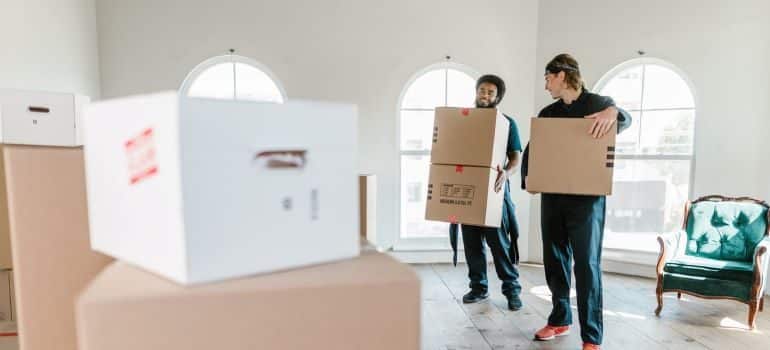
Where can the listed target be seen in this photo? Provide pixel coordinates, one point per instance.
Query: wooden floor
(629, 320)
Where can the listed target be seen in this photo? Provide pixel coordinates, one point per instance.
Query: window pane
(427, 91)
(214, 82)
(461, 89)
(253, 84)
(627, 142)
(626, 88)
(648, 198)
(416, 130)
(667, 132)
(414, 186)
(664, 88)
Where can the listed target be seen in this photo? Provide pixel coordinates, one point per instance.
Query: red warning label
(140, 153)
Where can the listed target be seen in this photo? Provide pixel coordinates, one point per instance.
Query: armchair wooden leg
(659, 293)
(679, 296)
(753, 308)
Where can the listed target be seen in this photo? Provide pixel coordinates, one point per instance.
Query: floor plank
(629, 319)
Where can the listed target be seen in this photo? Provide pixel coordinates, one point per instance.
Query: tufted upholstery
(725, 230)
(719, 252)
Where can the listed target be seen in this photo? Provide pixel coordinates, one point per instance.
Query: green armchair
(719, 254)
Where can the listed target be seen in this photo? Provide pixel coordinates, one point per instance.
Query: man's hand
(526, 186)
(603, 122)
(502, 176)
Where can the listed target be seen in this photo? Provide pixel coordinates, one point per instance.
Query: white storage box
(201, 190)
(41, 118)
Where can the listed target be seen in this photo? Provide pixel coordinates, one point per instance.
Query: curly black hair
(496, 81)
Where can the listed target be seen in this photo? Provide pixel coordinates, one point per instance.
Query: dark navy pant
(499, 243)
(573, 228)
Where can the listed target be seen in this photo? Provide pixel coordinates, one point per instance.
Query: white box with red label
(201, 190)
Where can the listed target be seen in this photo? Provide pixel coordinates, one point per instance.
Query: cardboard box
(202, 190)
(41, 118)
(564, 158)
(464, 194)
(370, 302)
(6, 258)
(367, 204)
(52, 258)
(469, 136)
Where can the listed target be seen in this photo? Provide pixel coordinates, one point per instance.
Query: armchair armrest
(761, 260)
(671, 244)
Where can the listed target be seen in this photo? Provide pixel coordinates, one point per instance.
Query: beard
(484, 104)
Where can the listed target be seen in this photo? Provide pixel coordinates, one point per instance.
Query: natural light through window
(438, 86)
(233, 78)
(655, 155)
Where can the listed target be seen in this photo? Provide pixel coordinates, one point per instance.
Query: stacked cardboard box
(45, 183)
(468, 146)
(202, 192)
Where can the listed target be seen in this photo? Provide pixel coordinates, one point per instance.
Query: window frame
(403, 242)
(609, 76)
(202, 67)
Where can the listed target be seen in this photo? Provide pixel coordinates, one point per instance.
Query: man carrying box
(502, 241)
(573, 225)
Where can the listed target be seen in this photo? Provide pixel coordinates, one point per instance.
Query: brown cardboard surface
(6, 259)
(564, 158)
(367, 204)
(463, 194)
(469, 136)
(370, 302)
(49, 234)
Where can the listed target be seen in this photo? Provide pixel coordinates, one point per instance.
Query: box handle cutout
(35, 109)
(282, 159)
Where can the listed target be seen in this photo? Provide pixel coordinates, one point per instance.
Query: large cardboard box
(370, 302)
(464, 194)
(52, 258)
(469, 136)
(367, 204)
(564, 158)
(201, 190)
(45, 182)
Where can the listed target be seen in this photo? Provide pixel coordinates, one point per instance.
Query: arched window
(653, 172)
(439, 85)
(233, 77)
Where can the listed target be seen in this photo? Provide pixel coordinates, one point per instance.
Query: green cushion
(712, 268)
(725, 230)
(705, 286)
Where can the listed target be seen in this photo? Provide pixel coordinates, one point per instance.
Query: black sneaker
(474, 296)
(514, 302)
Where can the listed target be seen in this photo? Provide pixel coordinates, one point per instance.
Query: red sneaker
(550, 332)
(589, 346)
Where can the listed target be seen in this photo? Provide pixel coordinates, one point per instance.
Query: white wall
(362, 52)
(49, 45)
(722, 47)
